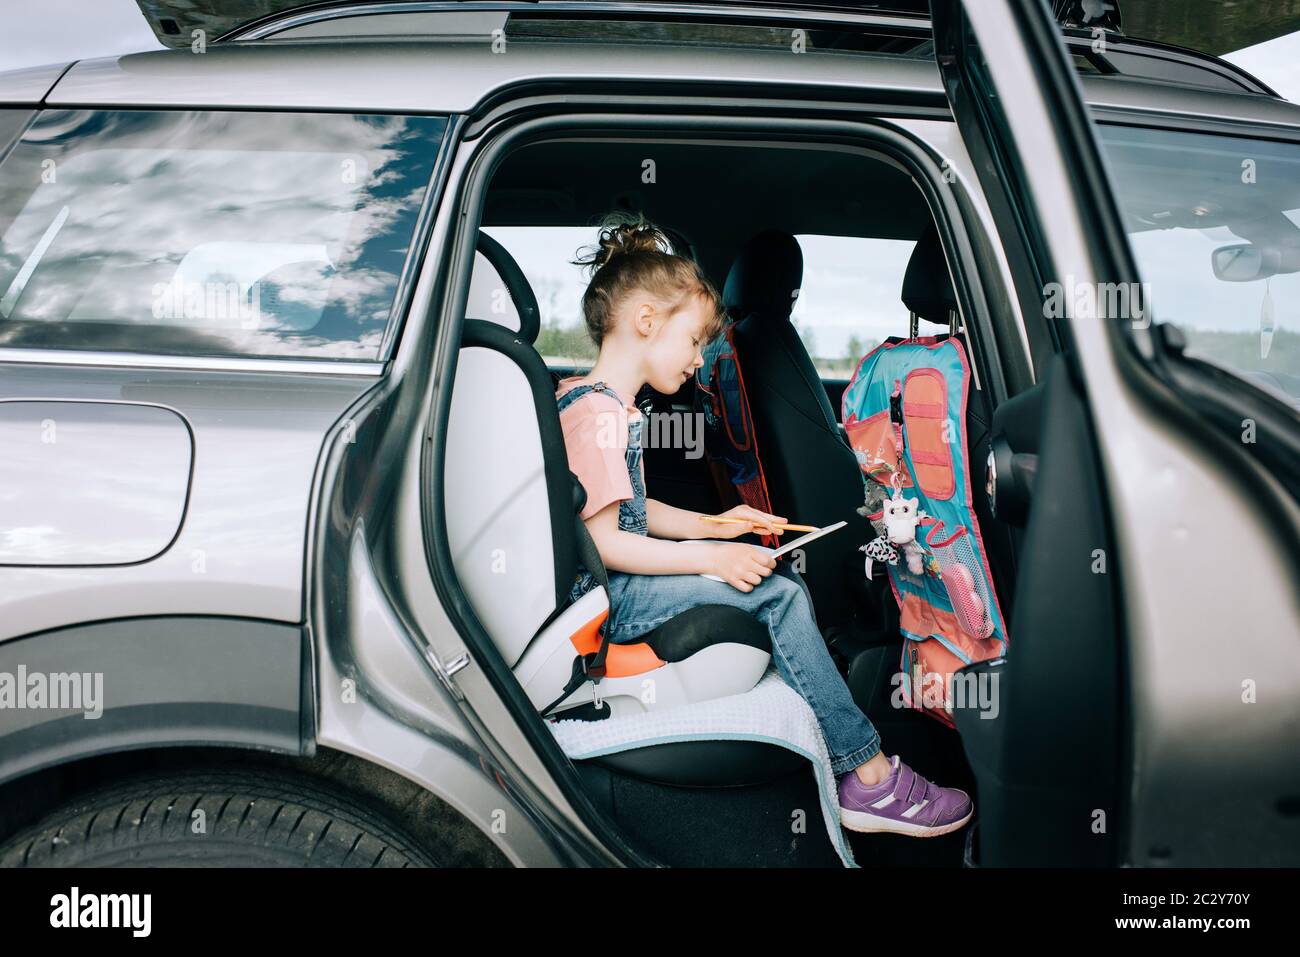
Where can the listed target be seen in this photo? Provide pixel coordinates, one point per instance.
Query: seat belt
(589, 667)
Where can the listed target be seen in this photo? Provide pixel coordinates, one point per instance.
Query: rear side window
(850, 298)
(210, 233)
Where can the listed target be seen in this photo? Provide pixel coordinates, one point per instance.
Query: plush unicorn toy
(901, 516)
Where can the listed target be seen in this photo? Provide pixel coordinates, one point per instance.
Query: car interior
(512, 517)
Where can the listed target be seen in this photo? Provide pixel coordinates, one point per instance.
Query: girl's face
(674, 346)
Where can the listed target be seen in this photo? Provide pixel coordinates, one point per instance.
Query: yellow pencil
(784, 526)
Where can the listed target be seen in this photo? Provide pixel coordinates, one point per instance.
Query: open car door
(1149, 701)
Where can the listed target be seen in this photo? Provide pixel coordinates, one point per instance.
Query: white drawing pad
(805, 539)
(778, 552)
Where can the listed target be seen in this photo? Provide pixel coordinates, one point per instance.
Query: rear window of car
(210, 233)
(849, 299)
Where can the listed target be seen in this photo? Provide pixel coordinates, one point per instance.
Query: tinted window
(1190, 200)
(210, 233)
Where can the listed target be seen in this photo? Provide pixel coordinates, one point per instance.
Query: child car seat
(513, 526)
(905, 414)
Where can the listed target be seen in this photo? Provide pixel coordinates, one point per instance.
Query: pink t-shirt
(595, 437)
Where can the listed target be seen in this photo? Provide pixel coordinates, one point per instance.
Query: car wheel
(214, 819)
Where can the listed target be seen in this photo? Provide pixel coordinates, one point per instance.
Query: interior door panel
(1047, 762)
(1048, 756)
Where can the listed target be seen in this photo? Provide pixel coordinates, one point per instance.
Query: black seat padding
(517, 286)
(696, 628)
(812, 475)
(706, 764)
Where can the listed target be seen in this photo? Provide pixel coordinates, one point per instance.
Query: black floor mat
(777, 824)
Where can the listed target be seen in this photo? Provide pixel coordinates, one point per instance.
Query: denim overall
(631, 512)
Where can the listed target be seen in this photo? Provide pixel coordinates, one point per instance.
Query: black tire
(250, 819)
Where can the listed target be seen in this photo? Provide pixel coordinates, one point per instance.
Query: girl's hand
(759, 522)
(739, 565)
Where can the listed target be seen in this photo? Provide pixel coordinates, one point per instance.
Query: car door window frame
(961, 232)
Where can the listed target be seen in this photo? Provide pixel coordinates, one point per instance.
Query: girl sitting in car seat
(650, 312)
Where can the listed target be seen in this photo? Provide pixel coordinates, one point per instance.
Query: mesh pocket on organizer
(963, 579)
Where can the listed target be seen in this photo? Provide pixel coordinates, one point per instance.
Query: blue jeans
(781, 601)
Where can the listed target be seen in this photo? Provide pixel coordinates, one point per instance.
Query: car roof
(450, 76)
(453, 76)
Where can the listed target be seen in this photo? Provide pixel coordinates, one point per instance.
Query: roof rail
(1103, 51)
(1117, 55)
(341, 10)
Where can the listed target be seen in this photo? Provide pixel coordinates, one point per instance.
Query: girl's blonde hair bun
(621, 235)
(632, 253)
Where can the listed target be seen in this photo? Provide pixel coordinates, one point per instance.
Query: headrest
(484, 289)
(927, 284)
(765, 278)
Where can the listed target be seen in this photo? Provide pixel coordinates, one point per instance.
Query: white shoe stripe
(866, 823)
(915, 809)
(884, 802)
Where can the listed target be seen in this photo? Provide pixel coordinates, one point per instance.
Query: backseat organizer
(904, 412)
(729, 441)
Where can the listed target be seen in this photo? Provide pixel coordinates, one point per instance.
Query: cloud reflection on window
(209, 233)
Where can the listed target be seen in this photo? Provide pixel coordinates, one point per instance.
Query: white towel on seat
(771, 712)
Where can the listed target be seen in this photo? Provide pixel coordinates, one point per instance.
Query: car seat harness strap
(591, 666)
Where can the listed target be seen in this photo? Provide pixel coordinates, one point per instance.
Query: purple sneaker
(903, 803)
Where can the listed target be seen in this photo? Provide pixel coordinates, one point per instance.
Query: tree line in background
(570, 345)
(564, 342)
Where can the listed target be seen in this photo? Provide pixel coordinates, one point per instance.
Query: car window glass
(1193, 200)
(546, 254)
(209, 233)
(11, 124)
(850, 298)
